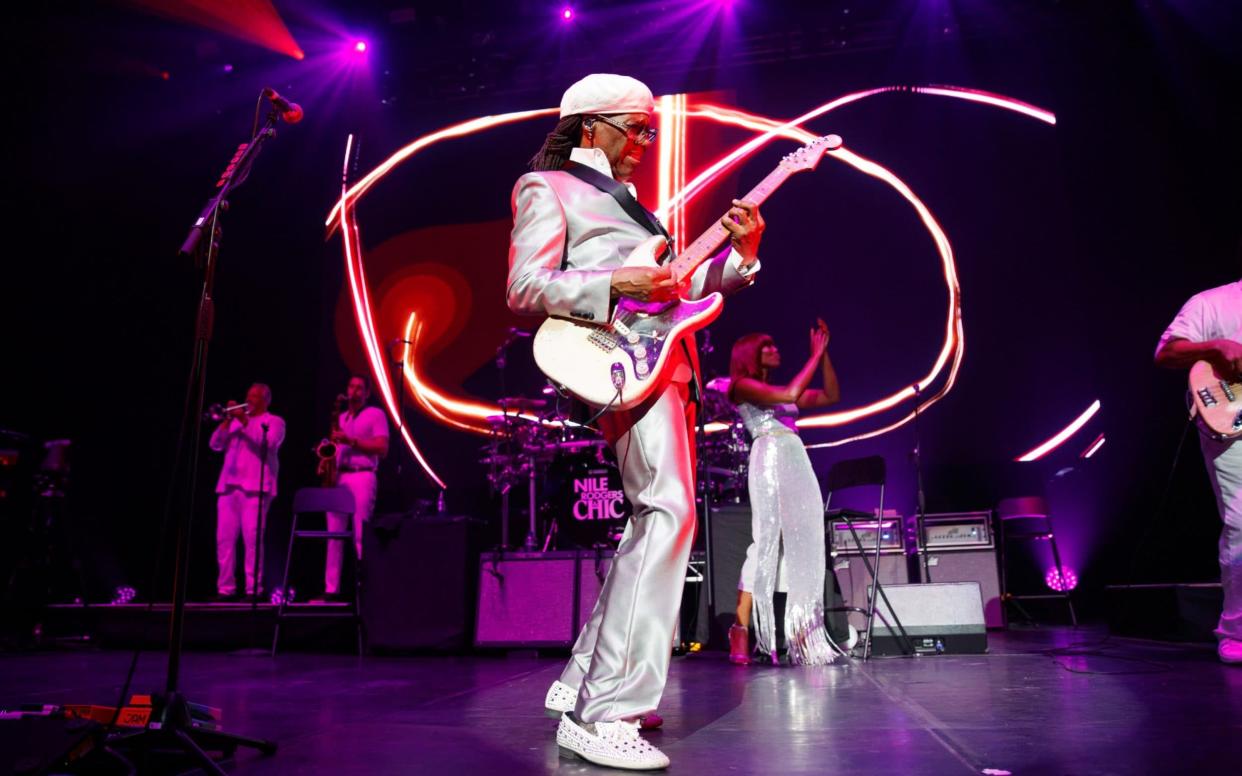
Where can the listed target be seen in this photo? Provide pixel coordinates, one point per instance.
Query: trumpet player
(250, 438)
(361, 439)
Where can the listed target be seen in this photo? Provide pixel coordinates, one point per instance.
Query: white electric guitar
(618, 364)
(1217, 402)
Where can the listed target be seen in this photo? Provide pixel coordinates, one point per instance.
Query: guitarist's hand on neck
(745, 227)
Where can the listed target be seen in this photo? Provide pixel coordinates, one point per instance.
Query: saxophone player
(361, 439)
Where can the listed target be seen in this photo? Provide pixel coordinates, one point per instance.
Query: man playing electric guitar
(573, 228)
(1209, 328)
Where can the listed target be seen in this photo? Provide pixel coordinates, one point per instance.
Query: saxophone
(326, 449)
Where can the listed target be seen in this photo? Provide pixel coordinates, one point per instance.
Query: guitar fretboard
(707, 243)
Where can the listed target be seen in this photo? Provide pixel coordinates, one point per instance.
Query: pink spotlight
(567, 14)
(1055, 581)
(360, 46)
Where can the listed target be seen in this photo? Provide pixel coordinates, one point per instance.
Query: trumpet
(217, 412)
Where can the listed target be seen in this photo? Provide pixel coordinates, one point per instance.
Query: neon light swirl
(1059, 438)
(674, 195)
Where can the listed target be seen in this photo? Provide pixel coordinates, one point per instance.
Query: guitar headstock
(806, 157)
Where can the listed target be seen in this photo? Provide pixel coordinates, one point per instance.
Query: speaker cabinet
(730, 536)
(962, 548)
(855, 581)
(528, 599)
(939, 618)
(397, 572)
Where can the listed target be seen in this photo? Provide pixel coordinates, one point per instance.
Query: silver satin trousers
(620, 660)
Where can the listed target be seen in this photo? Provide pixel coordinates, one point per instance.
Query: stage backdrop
(1073, 245)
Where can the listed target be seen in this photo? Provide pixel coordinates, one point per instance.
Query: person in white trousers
(569, 242)
(361, 441)
(1209, 328)
(242, 500)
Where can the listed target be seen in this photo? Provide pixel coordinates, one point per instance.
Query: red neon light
(674, 194)
(1093, 448)
(1062, 435)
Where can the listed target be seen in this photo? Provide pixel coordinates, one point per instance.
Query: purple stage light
(283, 596)
(360, 46)
(1061, 585)
(123, 594)
(228, 68)
(567, 14)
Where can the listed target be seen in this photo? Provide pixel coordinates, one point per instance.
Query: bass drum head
(587, 503)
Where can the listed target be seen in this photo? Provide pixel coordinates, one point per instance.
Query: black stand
(171, 731)
(399, 387)
(708, 555)
(257, 566)
(920, 499)
(907, 646)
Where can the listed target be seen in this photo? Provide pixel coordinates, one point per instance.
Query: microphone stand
(920, 542)
(507, 473)
(257, 565)
(172, 728)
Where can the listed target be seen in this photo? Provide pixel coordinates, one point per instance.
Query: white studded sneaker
(613, 744)
(560, 699)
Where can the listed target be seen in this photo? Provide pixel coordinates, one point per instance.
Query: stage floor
(1127, 707)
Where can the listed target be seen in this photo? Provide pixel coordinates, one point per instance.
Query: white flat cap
(607, 93)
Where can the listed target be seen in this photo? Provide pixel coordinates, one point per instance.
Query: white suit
(568, 237)
(238, 494)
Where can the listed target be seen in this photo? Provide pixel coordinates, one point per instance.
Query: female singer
(787, 511)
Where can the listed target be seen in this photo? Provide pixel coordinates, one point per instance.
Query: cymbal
(509, 420)
(521, 403)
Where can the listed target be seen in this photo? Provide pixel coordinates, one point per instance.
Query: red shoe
(739, 645)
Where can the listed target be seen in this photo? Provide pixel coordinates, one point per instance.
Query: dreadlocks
(558, 144)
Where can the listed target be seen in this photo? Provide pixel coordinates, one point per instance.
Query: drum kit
(574, 497)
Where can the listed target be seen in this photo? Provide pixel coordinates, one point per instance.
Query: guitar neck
(707, 243)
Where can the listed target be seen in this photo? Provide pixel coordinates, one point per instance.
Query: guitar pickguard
(640, 331)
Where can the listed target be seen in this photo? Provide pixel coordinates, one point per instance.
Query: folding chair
(310, 501)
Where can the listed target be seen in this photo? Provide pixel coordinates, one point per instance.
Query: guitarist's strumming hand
(1229, 355)
(1225, 355)
(646, 284)
(745, 227)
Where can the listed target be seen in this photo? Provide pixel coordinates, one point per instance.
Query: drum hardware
(572, 481)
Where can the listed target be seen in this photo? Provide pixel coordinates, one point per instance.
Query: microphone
(290, 112)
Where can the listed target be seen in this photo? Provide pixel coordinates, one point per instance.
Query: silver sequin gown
(786, 505)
